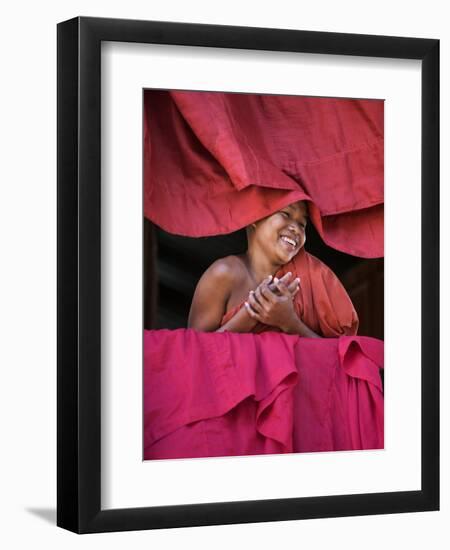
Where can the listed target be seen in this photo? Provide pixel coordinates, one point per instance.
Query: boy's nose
(294, 228)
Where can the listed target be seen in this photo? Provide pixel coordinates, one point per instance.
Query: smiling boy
(242, 293)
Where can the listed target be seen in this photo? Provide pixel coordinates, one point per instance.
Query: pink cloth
(216, 162)
(225, 394)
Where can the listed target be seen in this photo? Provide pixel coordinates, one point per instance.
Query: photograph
(248, 274)
(263, 278)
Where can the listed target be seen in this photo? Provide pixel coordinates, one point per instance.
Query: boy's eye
(285, 214)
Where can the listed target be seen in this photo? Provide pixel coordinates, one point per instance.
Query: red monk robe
(321, 303)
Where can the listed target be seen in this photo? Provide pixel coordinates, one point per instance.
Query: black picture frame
(79, 275)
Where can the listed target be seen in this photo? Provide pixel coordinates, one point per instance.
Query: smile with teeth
(289, 241)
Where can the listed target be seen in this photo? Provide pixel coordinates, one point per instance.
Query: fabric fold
(228, 394)
(192, 376)
(227, 160)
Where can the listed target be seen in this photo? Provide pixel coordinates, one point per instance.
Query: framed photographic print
(248, 304)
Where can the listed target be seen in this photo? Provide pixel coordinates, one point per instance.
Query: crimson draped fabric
(216, 162)
(228, 394)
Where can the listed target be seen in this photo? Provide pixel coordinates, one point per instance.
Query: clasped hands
(272, 302)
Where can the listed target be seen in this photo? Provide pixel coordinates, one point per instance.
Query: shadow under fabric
(214, 163)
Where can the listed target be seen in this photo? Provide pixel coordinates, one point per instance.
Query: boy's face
(282, 234)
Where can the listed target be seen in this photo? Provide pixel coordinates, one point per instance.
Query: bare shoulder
(229, 269)
(213, 292)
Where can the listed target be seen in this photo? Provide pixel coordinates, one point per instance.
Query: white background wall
(28, 270)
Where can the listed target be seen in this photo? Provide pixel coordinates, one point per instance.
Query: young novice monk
(275, 285)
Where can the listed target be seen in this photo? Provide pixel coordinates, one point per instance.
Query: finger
(266, 282)
(268, 294)
(292, 287)
(283, 281)
(284, 291)
(285, 278)
(260, 296)
(273, 288)
(255, 305)
(251, 311)
(254, 296)
(295, 285)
